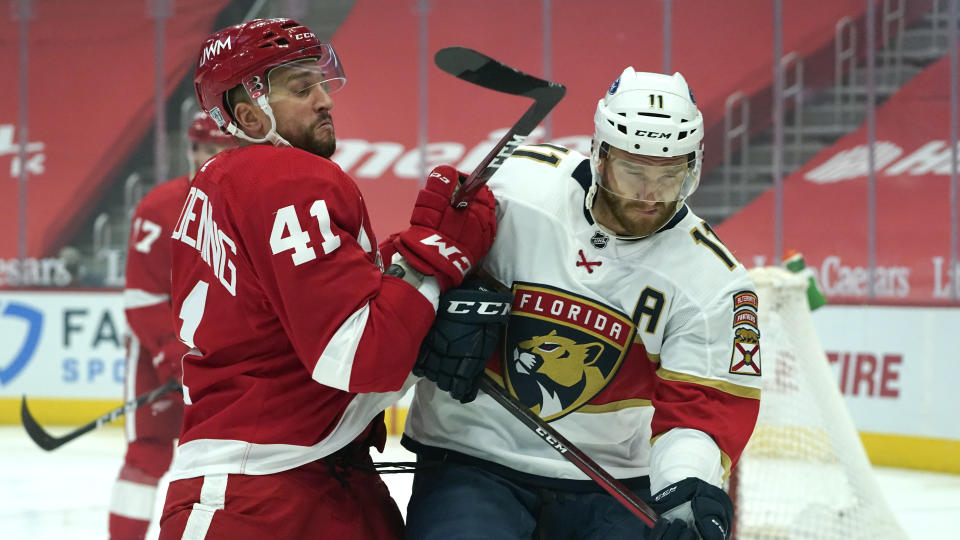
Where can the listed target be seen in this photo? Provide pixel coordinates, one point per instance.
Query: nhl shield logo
(614, 86)
(561, 350)
(599, 240)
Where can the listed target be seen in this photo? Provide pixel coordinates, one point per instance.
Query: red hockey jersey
(147, 292)
(299, 339)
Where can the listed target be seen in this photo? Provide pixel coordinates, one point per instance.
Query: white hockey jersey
(614, 342)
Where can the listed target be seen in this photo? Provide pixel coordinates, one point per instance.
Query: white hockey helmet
(649, 114)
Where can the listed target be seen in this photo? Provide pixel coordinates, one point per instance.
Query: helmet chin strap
(272, 136)
(589, 201)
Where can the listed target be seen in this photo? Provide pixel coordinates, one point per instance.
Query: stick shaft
(558, 442)
(477, 68)
(49, 442)
(507, 144)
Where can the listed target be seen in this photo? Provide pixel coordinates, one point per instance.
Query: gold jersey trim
(723, 386)
(615, 406)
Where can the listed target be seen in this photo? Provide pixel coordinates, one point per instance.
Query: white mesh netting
(804, 473)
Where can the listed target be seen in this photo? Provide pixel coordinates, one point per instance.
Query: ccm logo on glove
(448, 252)
(665, 493)
(457, 307)
(443, 241)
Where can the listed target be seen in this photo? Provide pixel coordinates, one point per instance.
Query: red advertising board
(719, 50)
(91, 81)
(90, 101)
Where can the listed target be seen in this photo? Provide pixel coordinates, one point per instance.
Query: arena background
(831, 130)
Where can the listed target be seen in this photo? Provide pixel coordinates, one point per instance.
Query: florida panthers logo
(561, 350)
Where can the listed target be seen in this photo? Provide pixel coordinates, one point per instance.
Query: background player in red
(154, 350)
(299, 338)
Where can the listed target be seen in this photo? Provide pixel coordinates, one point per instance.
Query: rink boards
(896, 367)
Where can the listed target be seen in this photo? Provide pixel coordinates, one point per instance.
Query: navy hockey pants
(452, 501)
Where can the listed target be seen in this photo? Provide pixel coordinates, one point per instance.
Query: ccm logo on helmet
(305, 35)
(214, 48)
(652, 134)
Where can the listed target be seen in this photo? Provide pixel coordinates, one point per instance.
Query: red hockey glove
(444, 241)
(387, 248)
(167, 362)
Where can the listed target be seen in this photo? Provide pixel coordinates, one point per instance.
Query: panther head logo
(561, 368)
(748, 337)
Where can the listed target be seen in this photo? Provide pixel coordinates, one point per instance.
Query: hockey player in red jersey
(154, 351)
(633, 331)
(298, 337)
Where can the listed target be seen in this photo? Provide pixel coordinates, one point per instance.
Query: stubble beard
(323, 147)
(628, 226)
(311, 141)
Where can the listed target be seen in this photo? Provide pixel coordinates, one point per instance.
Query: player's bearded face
(638, 194)
(301, 106)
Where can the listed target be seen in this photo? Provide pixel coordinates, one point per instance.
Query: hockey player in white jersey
(633, 332)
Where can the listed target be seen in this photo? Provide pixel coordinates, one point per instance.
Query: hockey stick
(49, 442)
(474, 67)
(573, 454)
(484, 71)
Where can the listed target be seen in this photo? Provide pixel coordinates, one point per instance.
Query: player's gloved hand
(671, 529)
(704, 506)
(463, 338)
(444, 241)
(167, 362)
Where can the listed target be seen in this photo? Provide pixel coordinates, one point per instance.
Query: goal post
(804, 473)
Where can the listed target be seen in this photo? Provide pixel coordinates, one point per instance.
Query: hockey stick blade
(48, 442)
(574, 455)
(481, 70)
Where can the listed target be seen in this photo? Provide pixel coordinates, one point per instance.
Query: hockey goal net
(804, 474)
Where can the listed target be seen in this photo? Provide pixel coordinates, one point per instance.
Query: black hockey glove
(462, 338)
(666, 529)
(710, 507)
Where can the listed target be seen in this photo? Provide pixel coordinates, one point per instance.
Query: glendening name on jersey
(613, 341)
(208, 238)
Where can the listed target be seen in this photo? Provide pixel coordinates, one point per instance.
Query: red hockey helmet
(204, 130)
(244, 54)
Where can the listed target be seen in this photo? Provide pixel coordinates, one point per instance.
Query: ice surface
(64, 494)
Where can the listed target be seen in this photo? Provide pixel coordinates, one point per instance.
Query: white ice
(63, 494)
